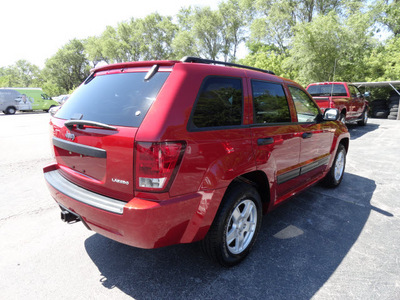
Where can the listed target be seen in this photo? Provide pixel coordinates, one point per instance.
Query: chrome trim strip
(300, 171)
(57, 181)
(288, 176)
(314, 165)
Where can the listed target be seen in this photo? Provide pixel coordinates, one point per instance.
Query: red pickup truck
(341, 95)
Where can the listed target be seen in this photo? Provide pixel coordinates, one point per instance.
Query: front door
(316, 138)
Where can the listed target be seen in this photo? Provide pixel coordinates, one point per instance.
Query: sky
(35, 29)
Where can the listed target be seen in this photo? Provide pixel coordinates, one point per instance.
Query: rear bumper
(138, 222)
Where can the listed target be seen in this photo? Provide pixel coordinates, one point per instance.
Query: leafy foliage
(305, 40)
(21, 74)
(330, 48)
(68, 67)
(388, 13)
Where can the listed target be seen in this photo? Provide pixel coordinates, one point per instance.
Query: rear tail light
(156, 164)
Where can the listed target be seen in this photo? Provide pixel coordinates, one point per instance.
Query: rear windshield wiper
(80, 124)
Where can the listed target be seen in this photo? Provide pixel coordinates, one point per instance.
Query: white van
(24, 99)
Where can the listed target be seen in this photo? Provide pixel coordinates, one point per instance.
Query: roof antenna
(333, 79)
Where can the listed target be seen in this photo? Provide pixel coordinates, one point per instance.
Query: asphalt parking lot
(339, 243)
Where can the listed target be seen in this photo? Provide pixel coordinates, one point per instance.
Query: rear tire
(235, 227)
(10, 110)
(335, 174)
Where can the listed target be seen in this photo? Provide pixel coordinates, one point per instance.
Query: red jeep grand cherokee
(157, 153)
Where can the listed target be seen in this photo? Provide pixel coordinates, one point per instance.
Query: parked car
(24, 99)
(61, 99)
(158, 153)
(344, 96)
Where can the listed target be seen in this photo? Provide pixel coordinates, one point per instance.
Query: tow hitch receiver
(69, 217)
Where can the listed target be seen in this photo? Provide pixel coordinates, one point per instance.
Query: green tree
(211, 34)
(184, 43)
(21, 74)
(131, 40)
(268, 57)
(388, 12)
(157, 32)
(236, 16)
(112, 49)
(94, 50)
(28, 74)
(137, 39)
(208, 30)
(276, 19)
(331, 44)
(68, 68)
(383, 63)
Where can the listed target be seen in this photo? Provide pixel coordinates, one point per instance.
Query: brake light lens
(156, 164)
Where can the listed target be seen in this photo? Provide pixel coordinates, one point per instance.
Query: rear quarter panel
(213, 157)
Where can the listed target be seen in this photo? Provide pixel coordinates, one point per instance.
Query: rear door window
(121, 99)
(219, 103)
(269, 103)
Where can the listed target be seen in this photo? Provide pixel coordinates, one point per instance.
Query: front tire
(364, 118)
(335, 174)
(342, 118)
(235, 227)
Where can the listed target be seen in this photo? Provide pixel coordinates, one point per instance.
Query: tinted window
(327, 90)
(306, 109)
(117, 99)
(219, 103)
(353, 91)
(270, 103)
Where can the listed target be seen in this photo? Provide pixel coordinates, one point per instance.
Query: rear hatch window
(95, 157)
(121, 99)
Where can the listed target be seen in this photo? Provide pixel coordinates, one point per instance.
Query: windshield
(326, 90)
(121, 99)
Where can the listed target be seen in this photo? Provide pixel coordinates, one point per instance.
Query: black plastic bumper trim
(79, 148)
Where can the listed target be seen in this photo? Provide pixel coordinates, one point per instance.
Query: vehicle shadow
(357, 131)
(299, 247)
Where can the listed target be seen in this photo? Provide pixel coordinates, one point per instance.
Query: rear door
(96, 148)
(276, 143)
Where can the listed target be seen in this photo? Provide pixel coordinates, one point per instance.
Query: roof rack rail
(210, 61)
